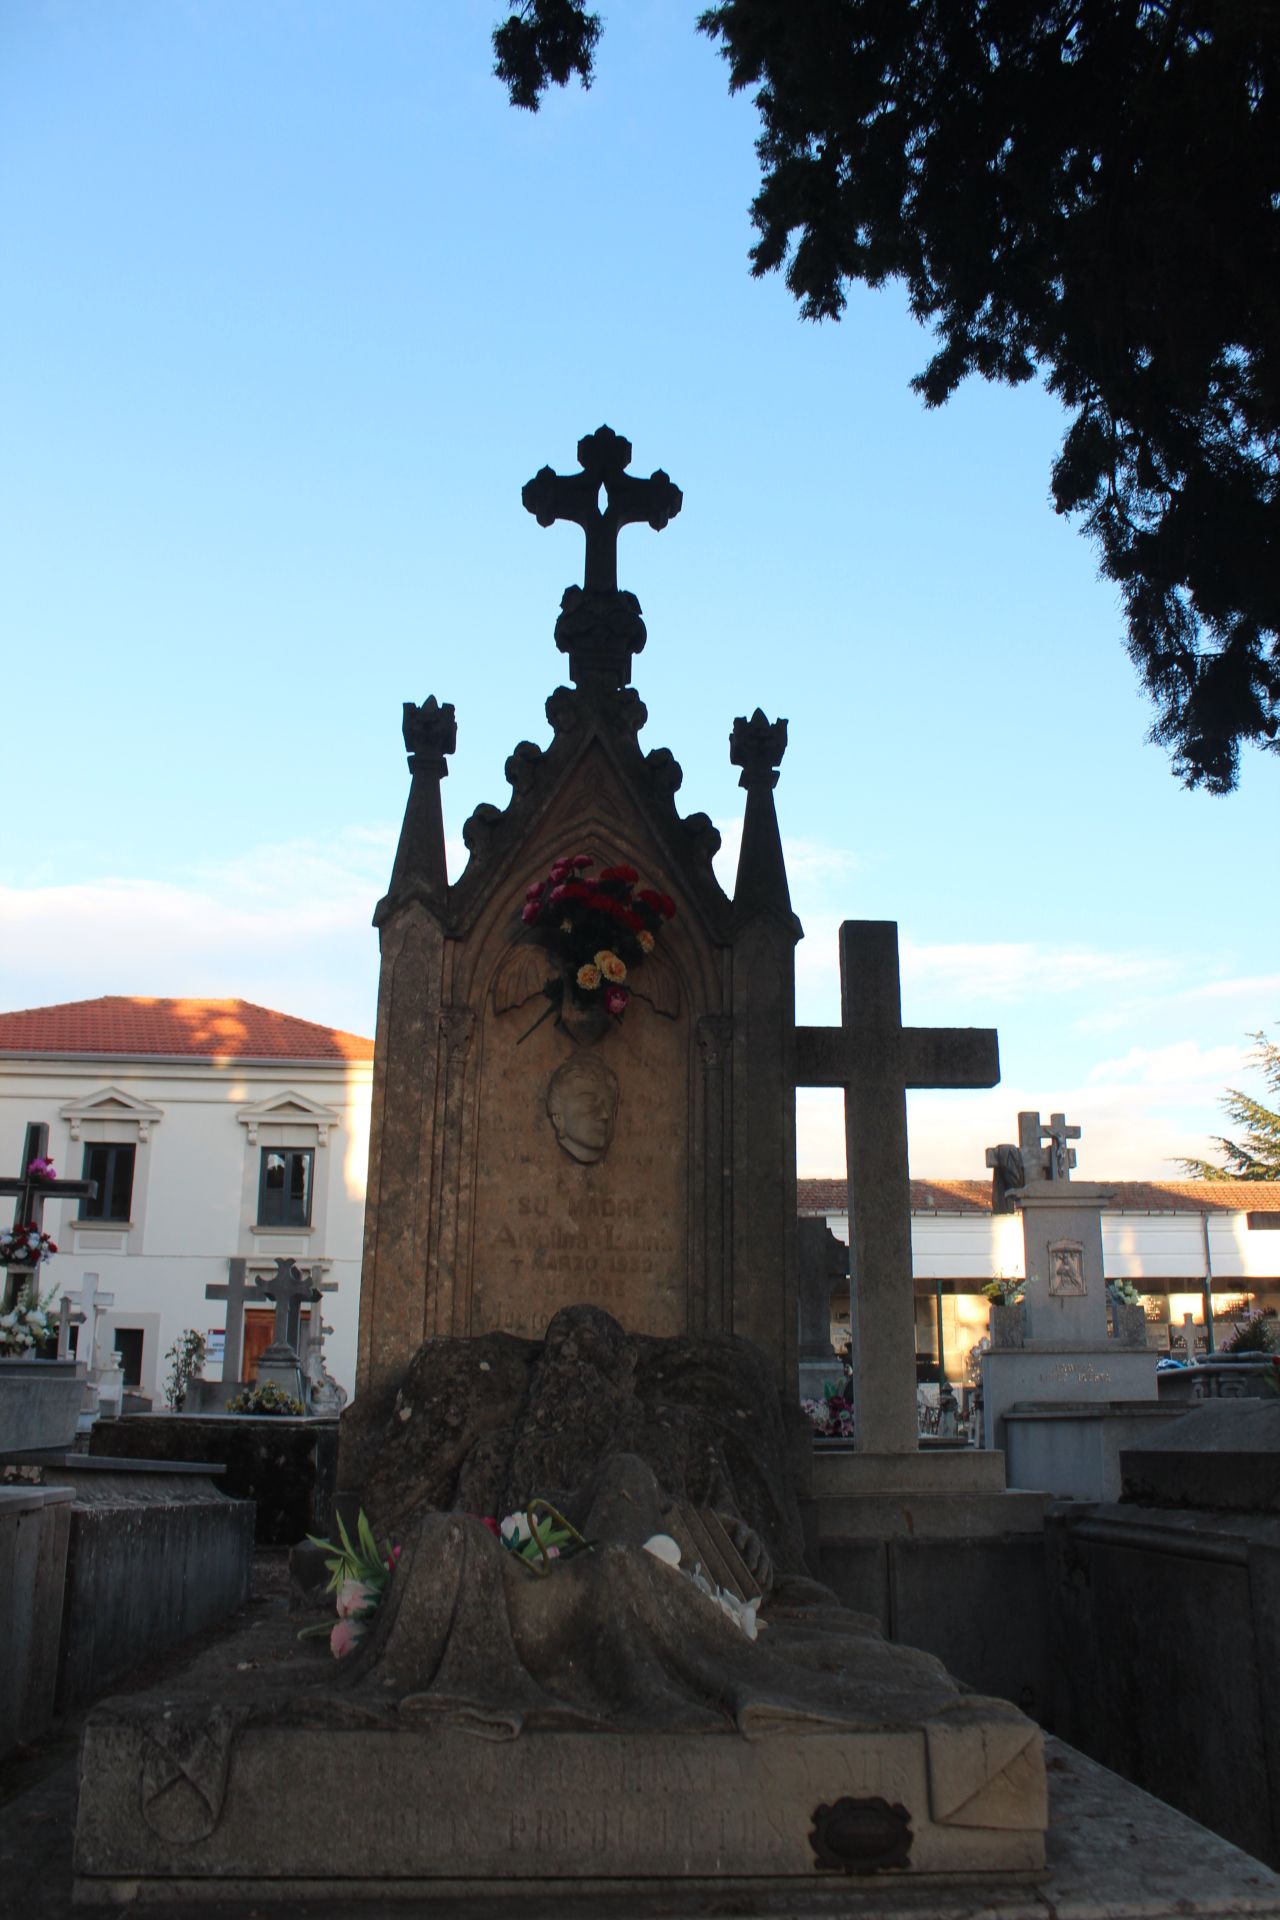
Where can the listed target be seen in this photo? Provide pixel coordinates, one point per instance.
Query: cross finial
(604, 457)
(599, 626)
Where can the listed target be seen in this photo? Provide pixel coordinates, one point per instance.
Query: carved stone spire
(600, 627)
(430, 732)
(757, 747)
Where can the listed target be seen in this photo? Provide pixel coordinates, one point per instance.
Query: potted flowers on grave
(1127, 1314)
(596, 930)
(831, 1416)
(27, 1331)
(1007, 1318)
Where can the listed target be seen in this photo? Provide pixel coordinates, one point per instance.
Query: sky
(294, 302)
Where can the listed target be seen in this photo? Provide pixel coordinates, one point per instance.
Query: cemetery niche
(578, 1331)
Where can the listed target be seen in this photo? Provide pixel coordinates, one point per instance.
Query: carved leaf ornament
(595, 930)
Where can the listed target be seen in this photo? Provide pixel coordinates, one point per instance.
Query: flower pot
(1129, 1324)
(585, 1025)
(1007, 1325)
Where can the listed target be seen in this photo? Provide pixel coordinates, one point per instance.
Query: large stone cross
(233, 1292)
(874, 1058)
(603, 456)
(1061, 1157)
(31, 1190)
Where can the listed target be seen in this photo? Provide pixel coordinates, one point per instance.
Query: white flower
(515, 1530)
(664, 1548)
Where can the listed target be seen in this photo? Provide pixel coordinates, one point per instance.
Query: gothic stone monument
(579, 1284)
(518, 1165)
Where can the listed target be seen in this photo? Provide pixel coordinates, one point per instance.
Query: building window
(284, 1187)
(112, 1168)
(127, 1342)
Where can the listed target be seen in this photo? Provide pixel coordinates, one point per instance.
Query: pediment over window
(289, 1110)
(114, 1105)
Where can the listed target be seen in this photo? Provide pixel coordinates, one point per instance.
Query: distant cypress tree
(1256, 1156)
(1077, 188)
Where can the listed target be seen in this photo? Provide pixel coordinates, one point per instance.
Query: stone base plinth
(39, 1404)
(431, 1802)
(1073, 1452)
(1045, 1371)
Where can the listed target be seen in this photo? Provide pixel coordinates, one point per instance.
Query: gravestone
(1063, 1403)
(235, 1290)
(571, 1222)
(519, 1162)
(31, 1188)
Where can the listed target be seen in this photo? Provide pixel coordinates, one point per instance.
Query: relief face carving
(582, 1104)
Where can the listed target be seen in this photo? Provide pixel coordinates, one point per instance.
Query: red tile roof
(222, 1029)
(1131, 1196)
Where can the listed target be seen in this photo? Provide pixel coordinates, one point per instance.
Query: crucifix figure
(1061, 1157)
(30, 1191)
(233, 1293)
(603, 456)
(874, 1058)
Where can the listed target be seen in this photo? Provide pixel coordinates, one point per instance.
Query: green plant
(1123, 1293)
(1252, 1336)
(187, 1354)
(1006, 1291)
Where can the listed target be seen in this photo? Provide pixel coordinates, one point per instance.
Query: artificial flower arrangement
(27, 1328)
(832, 1415)
(25, 1245)
(1006, 1291)
(358, 1575)
(1123, 1293)
(741, 1612)
(596, 930)
(268, 1398)
(42, 1168)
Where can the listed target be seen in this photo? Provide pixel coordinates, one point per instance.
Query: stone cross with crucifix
(31, 1190)
(599, 627)
(290, 1289)
(874, 1058)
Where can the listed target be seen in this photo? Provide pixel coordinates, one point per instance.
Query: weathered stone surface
(34, 1529)
(39, 1403)
(1223, 1455)
(287, 1467)
(486, 1424)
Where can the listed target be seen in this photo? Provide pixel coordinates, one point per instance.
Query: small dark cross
(603, 457)
(31, 1190)
(875, 1059)
(290, 1289)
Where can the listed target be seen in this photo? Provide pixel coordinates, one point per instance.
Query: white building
(1171, 1238)
(217, 1129)
(214, 1129)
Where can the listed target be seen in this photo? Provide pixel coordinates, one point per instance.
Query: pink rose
(581, 860)
(346, 1637)
(615, 1000)
(534, 892)
(529, 913)
(557, 893)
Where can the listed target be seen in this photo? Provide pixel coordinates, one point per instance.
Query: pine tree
(1256, 1155)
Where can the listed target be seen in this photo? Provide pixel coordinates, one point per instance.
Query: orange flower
(611, 967)
(588, 977)
(646, 941)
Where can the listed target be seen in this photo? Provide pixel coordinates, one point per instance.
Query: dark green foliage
(1256, 1156)
(1088, 189)
(544, 44)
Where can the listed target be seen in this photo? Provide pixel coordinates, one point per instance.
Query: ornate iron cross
(603, 456)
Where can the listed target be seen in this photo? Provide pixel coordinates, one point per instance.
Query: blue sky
(293, 304)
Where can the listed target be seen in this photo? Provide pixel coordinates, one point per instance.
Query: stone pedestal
(1062, 1403)
(39, 1404)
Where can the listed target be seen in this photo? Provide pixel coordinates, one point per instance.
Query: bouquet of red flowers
(596, 930)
